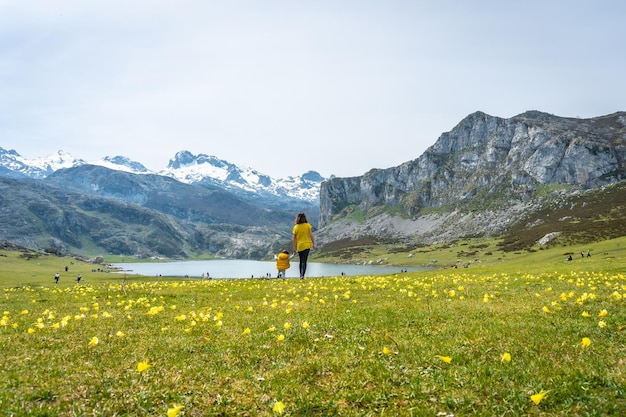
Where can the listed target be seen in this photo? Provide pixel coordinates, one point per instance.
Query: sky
(339, 87)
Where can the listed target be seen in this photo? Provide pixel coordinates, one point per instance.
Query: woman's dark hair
(301, 218)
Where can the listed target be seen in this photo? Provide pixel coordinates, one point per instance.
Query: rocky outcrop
(91, 209)
(495, 165)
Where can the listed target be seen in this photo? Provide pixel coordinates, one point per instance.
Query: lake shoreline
(239, 269)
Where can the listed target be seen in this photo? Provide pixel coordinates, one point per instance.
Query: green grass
(350, 346)
(471, 253)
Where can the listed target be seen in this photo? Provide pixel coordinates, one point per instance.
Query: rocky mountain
(89, 209)
(188, 168)
(247, 183)
(201, 203)
(35, 214)
(12, 164)
(487, 176)
(122, 163)
(477, 179)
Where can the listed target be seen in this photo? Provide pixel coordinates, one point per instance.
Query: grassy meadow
(510, 335)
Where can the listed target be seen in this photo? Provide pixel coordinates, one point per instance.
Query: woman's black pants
(303, 256)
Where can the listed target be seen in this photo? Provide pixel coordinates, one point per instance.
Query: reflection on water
(252, 269)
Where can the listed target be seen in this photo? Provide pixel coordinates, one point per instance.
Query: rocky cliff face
(498, 163)
(88, 208)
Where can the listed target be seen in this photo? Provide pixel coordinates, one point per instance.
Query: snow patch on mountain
(38, 167)
(189, 168)
(58, 160)
(207, 169)
(184, 167)
(122, 163)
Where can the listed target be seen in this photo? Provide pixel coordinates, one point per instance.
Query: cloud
(285, 87)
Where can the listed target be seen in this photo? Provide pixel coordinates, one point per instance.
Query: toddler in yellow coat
(282, 263)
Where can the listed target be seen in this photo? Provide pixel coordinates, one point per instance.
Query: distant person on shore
(56, 278)
(303, 241)
(282, 263)
(79, 278)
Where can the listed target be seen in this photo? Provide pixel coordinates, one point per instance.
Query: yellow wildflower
(173, 412)
(143, 366)
(279, 407)
(536, 398)
(586, 342)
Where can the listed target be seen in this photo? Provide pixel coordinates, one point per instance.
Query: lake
(252, 269)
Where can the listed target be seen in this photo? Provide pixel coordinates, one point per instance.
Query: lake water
(252, 269)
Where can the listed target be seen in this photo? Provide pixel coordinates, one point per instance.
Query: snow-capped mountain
(36, 168)
(185, 167)
(206, 169)
(122, 163)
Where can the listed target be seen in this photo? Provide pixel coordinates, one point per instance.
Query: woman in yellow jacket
(303, 241)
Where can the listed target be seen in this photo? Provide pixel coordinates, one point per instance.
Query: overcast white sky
(284, 87)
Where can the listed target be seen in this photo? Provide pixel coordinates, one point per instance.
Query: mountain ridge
(477, 178)
(184, 167)
(91, 210)
(208, 205)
